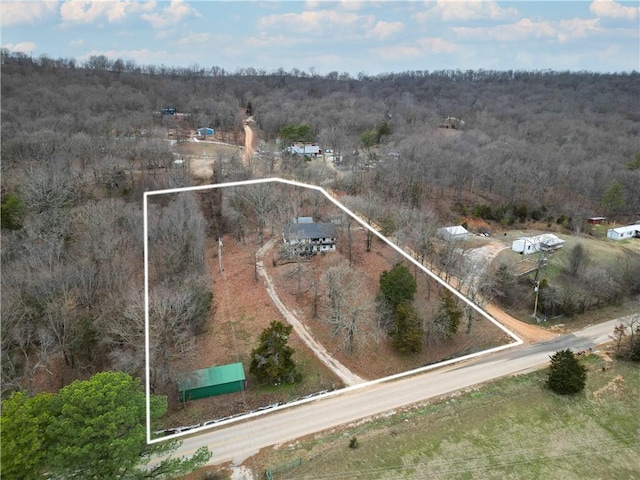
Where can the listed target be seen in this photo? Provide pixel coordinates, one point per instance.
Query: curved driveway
(346, 375)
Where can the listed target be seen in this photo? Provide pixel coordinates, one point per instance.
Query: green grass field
(513, 428)
(599, 250)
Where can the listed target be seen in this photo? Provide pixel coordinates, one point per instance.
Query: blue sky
(323, 36)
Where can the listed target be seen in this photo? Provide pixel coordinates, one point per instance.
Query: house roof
(309, 230)
(207, 377)
(548, 239)
(304, 149)
(627, 228)
(455, 230)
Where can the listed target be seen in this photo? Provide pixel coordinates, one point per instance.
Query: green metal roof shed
(211, 381)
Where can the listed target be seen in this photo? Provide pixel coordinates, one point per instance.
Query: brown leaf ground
(243, 310)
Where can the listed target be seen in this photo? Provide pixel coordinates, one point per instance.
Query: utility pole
(535, 306)
(542, 261)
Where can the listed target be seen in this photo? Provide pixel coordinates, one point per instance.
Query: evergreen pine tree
(566, 374)
(408, 335)
(271, 361)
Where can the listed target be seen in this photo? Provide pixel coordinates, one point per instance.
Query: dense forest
(81, 142)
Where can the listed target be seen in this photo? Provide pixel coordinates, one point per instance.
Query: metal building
(212, 381)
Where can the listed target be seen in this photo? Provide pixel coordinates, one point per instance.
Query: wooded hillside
(82, 142)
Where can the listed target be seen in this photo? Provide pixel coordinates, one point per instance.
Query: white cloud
(383, 29)
(176, 11)
(271, 41)
(611, 9)
(83, 11)
(22, 47)
(20, 13)
(352, 5)
(194, 39)
(89, 11)
(316, 21)
(526, 28)
(576, 28)
(422, 47)
(456, 10)
(396, 52)
(437, 45)
(76, 43)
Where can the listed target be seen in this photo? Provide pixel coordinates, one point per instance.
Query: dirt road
(346, 375)
(527, 332)
(248, 141)
(481, 257)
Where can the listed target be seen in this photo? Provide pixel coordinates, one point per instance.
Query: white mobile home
(622, 233)
(305, 150)
(544, 242)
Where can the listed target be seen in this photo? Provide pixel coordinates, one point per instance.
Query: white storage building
(453, 234)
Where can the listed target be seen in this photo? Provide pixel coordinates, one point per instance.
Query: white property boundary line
(150, 440)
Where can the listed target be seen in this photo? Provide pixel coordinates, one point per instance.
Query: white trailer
(538, 243)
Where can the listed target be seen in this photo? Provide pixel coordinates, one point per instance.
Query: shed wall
(212, 390)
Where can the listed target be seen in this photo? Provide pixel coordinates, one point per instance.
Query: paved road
(237, 442)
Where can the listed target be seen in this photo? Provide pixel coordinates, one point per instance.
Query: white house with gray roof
(308, 238)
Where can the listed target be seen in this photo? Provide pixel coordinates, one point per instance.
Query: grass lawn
(513, 428)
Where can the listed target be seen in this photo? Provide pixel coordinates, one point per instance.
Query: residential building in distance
(305, 150)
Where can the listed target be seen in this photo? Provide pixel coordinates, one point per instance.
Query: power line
(455, 470)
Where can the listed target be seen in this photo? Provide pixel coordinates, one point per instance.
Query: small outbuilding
(453, 234)
(302, 220)
(538, 243)
(623, 233)
(206, 132)
(596, 220)
(212, 381)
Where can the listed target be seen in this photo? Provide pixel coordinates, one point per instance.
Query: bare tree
(600, 285)
(61, 322)
(369, 208)
(18, 336)
(176, 316)
(348, 308)
(475, 281)
(177, 237)
(577, 260)
(50, 188)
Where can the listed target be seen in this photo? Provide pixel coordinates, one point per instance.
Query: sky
(317, 36)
